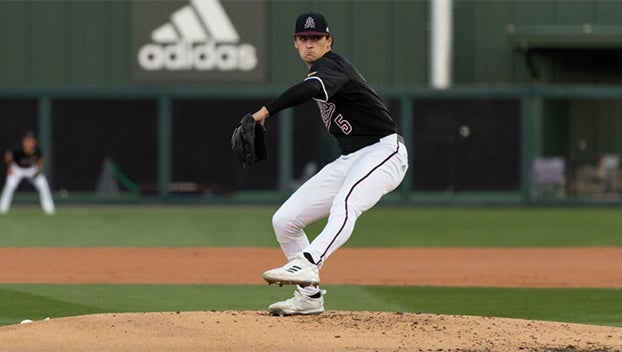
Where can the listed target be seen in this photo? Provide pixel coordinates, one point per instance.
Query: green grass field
(251, 226)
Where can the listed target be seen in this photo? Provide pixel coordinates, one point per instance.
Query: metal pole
(531, 109)
(45, 133)
(440, 43)
(164, 147)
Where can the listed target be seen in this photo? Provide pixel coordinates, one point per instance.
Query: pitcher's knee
(285, 227)
(282, 223)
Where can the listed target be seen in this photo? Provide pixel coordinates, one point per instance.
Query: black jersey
(25, 160)
(350, 108)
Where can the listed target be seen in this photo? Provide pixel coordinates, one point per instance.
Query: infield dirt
(331, 331)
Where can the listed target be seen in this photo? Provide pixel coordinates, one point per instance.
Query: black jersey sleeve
(329, 73)
(295, 95)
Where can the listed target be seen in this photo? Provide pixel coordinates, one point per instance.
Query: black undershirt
(295, 95)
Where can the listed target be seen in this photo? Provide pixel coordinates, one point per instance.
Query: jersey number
(343, 124)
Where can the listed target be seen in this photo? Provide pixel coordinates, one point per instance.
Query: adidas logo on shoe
(293, 269)
(299, 271)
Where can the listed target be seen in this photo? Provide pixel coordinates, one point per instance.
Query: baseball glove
(249, 142)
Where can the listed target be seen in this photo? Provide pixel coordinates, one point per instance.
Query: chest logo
(326, 110)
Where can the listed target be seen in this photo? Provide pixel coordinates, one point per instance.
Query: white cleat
(299, 271)
(299, 305)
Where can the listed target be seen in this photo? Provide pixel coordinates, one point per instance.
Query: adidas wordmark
(200, 36)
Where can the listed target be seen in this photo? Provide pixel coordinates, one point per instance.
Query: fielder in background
(373, 162)
(26, 161)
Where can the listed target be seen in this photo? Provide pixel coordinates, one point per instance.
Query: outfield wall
(531, 79)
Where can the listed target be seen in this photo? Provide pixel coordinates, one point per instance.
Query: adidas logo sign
(200, 36)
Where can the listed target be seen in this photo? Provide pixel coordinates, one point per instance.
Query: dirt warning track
(490, 267)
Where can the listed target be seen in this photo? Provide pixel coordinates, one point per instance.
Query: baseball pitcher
(373, 162)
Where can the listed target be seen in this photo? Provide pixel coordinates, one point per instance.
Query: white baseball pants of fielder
(341, 191)
(37, 179)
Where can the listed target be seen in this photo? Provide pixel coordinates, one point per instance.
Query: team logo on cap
(309, 22)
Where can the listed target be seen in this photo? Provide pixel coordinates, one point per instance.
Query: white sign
(199, 40)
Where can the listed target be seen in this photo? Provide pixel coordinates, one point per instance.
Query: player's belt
(390, 137)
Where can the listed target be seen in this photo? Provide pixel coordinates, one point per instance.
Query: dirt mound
(331, 331)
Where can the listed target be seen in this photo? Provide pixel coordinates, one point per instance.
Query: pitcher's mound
(331, 331)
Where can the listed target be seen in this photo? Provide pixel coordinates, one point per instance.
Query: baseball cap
(311, 23)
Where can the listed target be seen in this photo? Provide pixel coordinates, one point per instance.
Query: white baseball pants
(38, 181)
(341, 191)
